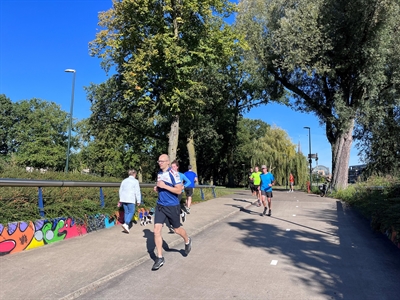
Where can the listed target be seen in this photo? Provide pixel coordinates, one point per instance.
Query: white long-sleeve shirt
(129, 191)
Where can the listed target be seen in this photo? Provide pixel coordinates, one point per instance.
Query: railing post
(201, 194)
(101, 197)
(40, 202)
(213, 191)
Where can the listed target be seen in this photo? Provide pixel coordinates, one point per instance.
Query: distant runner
(267, 181)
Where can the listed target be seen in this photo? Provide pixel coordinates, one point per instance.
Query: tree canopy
(35, 133)
(156, 47)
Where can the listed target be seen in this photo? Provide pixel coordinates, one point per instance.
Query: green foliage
(156, 47)
(275, 149)
(377, 135)
(381, 206)
(6, 122)
(21, 203)
(160, 50)
(34, 133)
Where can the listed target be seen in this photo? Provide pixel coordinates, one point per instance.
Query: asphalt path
(310, 248)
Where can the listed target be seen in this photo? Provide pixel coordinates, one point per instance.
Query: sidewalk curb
(138, 262)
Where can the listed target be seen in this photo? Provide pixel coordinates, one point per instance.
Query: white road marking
(288, 229)
(274, 262)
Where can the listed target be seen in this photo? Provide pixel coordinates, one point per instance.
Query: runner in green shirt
(256, 181)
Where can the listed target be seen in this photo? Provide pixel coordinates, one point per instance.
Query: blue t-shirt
(184, 180)
(191, 175)
(266, 179)
(171, 178)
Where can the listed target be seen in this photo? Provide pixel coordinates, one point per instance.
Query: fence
(55, 183)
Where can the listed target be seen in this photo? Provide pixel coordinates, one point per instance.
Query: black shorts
(268, 194)
(255, 187)
(170, 213)
(189, 192)
(251, 185)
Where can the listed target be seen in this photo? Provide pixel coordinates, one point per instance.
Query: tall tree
(155, 47)
(133, 127)
(332, 55)
(229, 92)
(39, 134)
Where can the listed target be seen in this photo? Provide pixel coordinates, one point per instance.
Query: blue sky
(40, 39)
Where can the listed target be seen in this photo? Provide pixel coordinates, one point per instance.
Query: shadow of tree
(329, 257)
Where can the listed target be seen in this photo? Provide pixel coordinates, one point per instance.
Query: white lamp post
(70, 116)
(309, 150)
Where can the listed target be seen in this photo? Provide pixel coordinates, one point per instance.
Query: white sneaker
(125, 227)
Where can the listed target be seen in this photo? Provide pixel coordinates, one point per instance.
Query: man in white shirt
(129, 195)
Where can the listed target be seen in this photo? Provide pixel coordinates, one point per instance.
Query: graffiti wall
(15, 237)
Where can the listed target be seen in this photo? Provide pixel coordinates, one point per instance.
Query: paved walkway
(70, 268)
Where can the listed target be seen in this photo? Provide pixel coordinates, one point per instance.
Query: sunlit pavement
(310, 248)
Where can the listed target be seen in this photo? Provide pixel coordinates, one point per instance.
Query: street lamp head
(306, 127)
(70, 70)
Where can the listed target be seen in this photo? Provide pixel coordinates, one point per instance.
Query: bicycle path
(71, 268)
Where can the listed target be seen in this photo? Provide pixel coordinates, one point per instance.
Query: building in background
(321, 170)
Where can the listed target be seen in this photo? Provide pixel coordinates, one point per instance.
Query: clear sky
(40, 39)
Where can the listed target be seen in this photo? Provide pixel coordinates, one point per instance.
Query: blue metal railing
(55, 183)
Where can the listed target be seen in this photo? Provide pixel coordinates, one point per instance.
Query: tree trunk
(173, 139)
(340, 157)
(230, 163)
(174, 133)
(140, 174)
(192, 152)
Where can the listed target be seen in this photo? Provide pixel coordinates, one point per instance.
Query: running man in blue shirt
(168, 186)
(189, 190)
(267, 181)
(186, 182)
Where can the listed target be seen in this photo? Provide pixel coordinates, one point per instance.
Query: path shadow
(339, 263)
(244, 209)
(304, 226)
(151, 246)
(242, 200)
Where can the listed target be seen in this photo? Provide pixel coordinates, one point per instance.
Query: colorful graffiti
(16, 237)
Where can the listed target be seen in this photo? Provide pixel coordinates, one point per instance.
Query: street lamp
(309, 150)
(70, 116)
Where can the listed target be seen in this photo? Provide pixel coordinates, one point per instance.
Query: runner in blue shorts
(267, 181)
